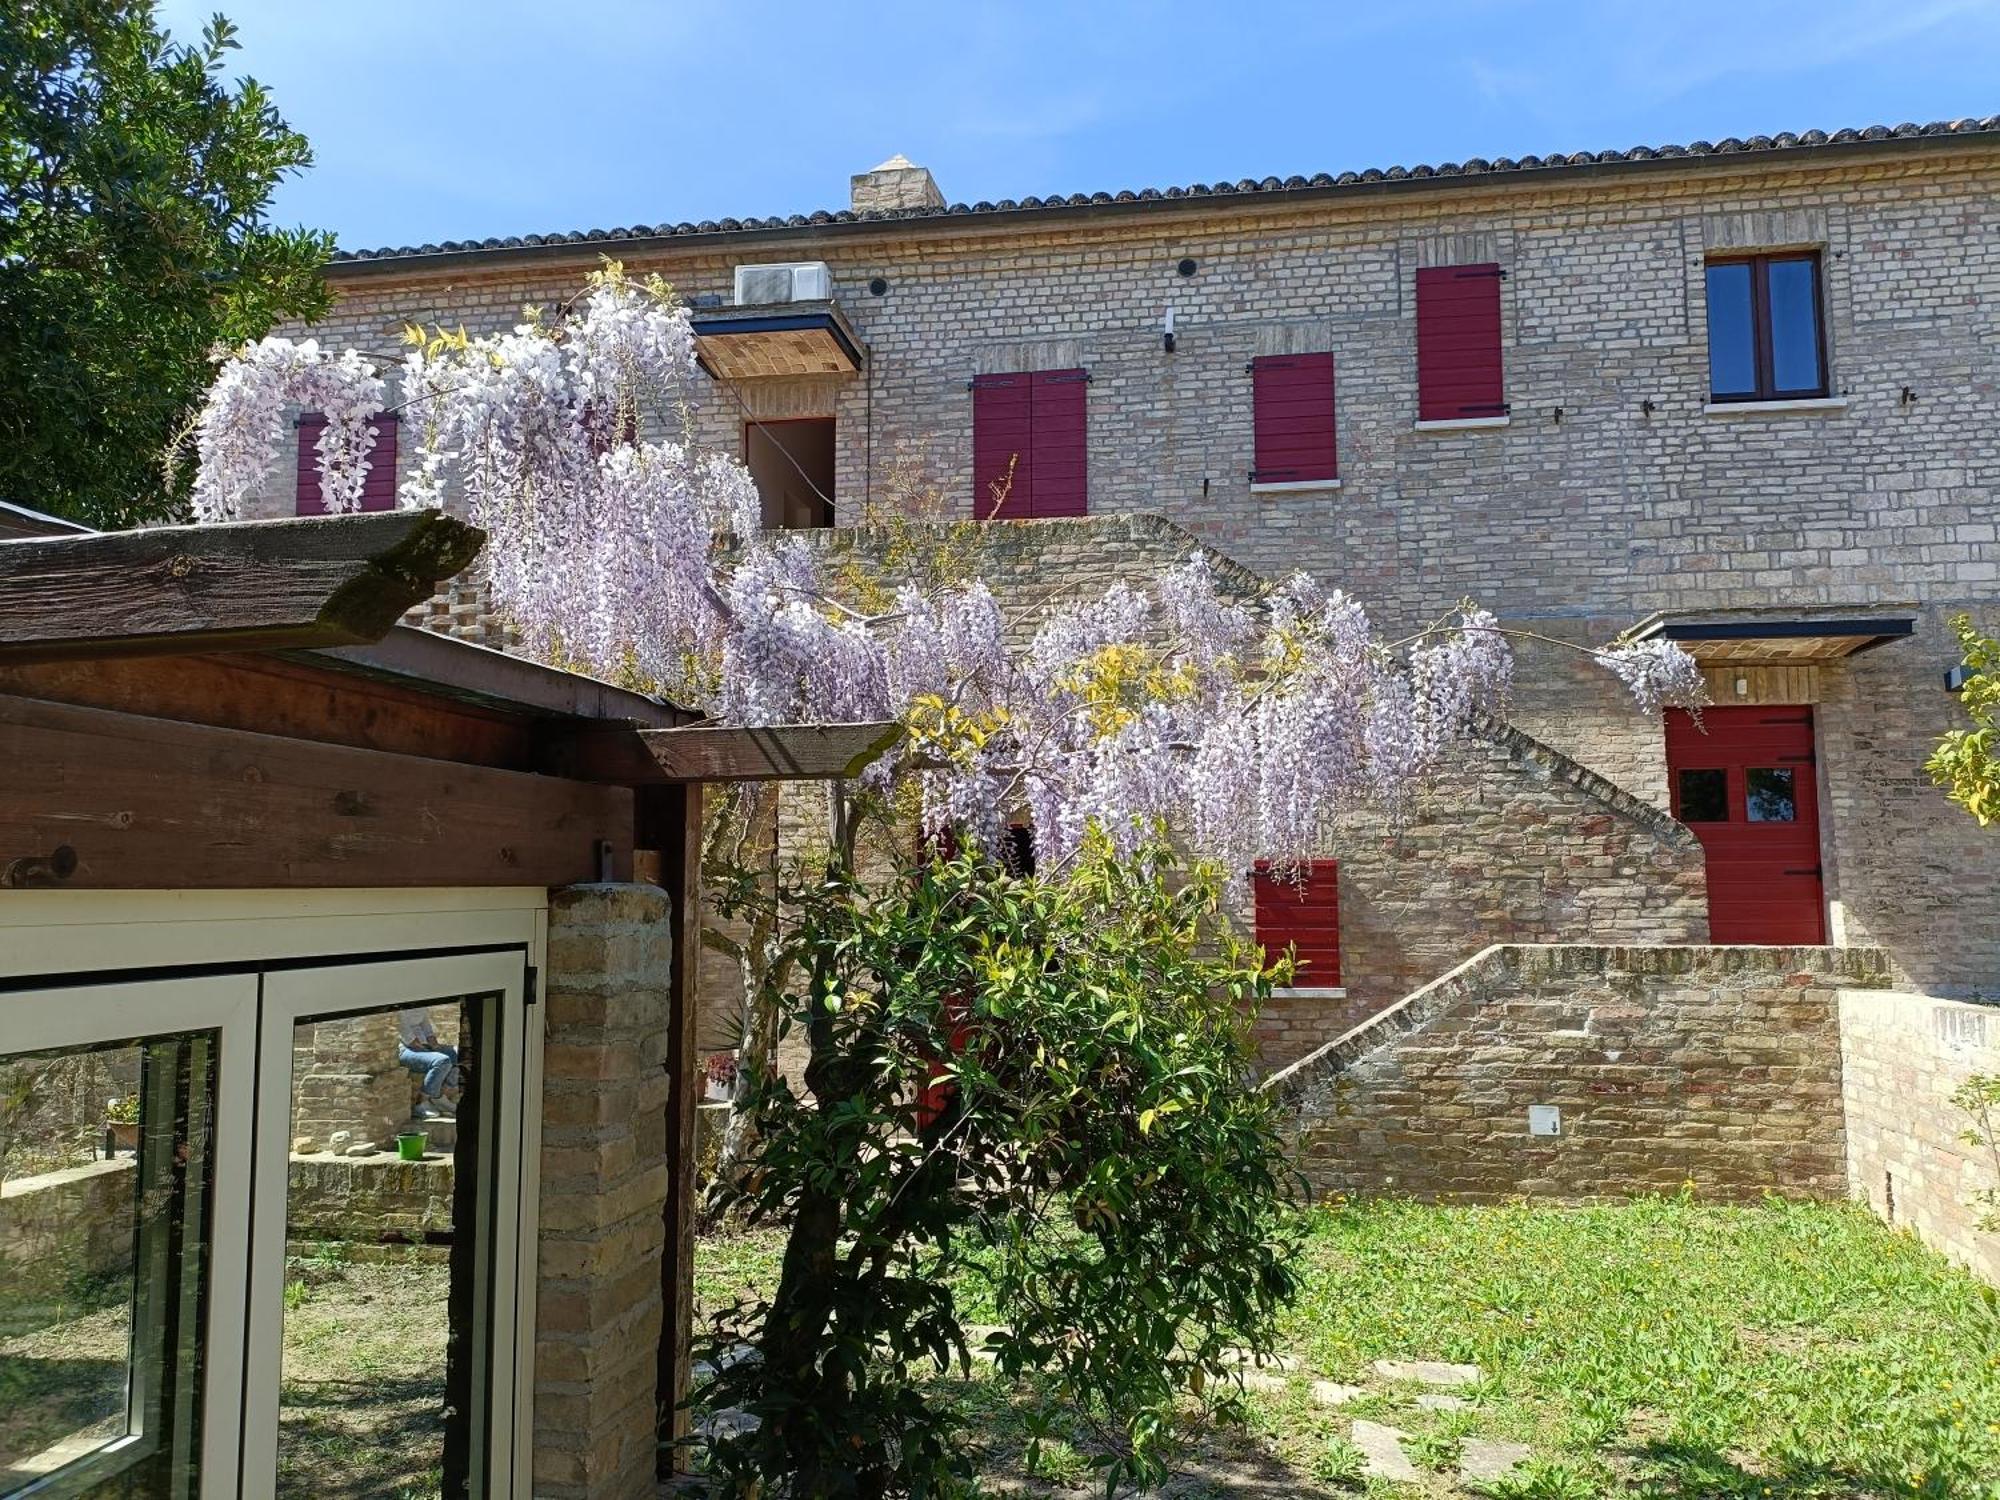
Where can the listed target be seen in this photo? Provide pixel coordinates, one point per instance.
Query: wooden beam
(249, 585)
(787, 752)
(288, 697)
(668, 818)
(150, 804)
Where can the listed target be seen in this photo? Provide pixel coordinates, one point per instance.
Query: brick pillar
(604, 1192)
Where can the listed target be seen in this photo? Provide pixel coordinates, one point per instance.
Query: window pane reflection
(1704, 796)
(1732, 333)
(104, 1161)
(386, 1275)
(1768, 795)
(1794, 326)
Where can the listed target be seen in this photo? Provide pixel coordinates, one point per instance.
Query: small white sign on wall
(1544, 1119)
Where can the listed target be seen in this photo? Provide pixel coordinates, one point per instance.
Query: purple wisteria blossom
(1240, 726)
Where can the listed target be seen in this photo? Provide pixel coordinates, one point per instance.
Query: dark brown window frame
(1760, 326)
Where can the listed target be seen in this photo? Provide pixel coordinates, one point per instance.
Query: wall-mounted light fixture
(1186, 268)
(1957, 677)
(1168, 331)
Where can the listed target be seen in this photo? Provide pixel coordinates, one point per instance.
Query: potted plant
(121, 1123)
(721, 1074)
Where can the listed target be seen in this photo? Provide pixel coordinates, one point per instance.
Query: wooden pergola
(237, 707)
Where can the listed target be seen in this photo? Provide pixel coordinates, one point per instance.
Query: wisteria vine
(617, 546)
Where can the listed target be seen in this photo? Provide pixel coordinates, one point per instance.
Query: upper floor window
(378, 489)
(1292, 405)
(1764, 328)
(1459, 376)
(1028, 445)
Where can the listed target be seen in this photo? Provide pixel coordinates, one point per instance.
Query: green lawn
(1664, 1348)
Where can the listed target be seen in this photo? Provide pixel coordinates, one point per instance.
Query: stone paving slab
(1333, 1393)
(1489, 1458)
(1432, 1401)
(1426, 1371)
(1383, 1448)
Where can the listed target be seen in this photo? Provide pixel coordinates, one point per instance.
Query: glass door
(124, 1116)
(386, 1191)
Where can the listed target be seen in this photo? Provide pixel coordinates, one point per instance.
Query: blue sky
(449, 119)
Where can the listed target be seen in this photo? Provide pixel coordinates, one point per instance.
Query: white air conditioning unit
(793, 281)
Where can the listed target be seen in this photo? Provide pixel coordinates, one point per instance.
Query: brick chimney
(897, 183)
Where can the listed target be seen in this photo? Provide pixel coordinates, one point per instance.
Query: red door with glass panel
(1747, 790)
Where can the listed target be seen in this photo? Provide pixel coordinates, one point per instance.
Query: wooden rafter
(248, 585)
(790, 752)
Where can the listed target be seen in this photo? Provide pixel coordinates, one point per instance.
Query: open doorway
(792, 464)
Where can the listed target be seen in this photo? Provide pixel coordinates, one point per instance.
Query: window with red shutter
(378, 490)
(1302, 910)
(1029, 445)
(1292, 400)
(1458, 344)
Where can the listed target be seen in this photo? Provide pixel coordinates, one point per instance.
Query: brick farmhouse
(1739, 394)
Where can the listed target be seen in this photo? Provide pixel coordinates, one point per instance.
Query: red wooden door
(1748, 791)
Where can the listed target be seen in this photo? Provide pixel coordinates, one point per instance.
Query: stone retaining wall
(1716, 1066)
(59, 1229)
(1902, 1056)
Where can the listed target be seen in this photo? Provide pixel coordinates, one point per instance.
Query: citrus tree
(1966, 762)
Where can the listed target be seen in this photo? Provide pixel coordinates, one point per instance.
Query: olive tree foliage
(1031, 1090)
(1966, 762)
(134, 241)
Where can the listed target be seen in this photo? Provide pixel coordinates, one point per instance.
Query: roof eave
(1517, 178)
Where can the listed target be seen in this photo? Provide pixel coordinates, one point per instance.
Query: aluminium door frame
(81, 1012)
(61, 940)
(336, 988)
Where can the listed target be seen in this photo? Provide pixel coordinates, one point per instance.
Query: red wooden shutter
(1293, 401)
(1037, 423)
(1458, 343)
(1303, 911)
(378, 490)
(1061, 457)
(1000, 439)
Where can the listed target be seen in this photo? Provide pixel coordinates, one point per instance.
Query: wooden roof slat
(241, 586)
(786, 752)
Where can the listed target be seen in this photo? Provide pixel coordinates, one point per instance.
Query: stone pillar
(345, 1076)
(603, 1192)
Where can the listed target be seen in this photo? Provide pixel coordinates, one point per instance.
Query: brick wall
(1902, 1055)
(1719, 1066)
(1609, 510)
(604, 1192)
(1906, 869)
(346, 1076)
(1513, 843)
(1611, 493)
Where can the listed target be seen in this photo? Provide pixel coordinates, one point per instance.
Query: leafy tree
(133, 240)
(1966, 762)
(1040, 1084)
